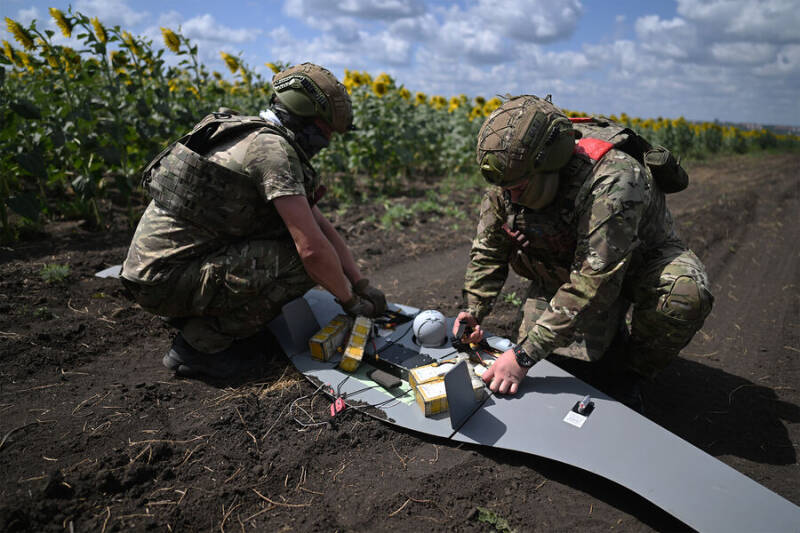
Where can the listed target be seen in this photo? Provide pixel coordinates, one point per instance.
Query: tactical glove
(375, 296)
(358, 306)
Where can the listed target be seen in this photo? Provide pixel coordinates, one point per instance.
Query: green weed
(495, 521)
(54, 273)
(43, 313)
(512, 298)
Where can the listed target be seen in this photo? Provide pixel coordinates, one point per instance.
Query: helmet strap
(306, 132)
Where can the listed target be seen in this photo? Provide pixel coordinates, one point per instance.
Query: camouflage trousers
(231, 294)
(663, 305)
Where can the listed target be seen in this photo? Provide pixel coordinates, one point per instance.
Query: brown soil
(96, 435)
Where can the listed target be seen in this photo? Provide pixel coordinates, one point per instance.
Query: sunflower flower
(9, 51)
(453, 104)
(99, 30)
(380, 87)
(385, 78)
(19, 33)
(172, 41)
(273, 67)
(404, 93)
(118, 58)
(26, 61)
(355, 77)
(231, 62)
(61, 21)
(475, 112)
(491, 105)
(130, 42)
(438, 102)
(420, 98)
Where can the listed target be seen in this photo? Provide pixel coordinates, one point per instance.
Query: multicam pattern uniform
(225, 282)
(605, 242)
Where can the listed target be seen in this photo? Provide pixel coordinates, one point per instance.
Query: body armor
(190, 186)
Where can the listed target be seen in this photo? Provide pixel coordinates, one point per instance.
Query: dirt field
(96, 435)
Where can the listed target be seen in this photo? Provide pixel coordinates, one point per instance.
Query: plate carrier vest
(190, 186)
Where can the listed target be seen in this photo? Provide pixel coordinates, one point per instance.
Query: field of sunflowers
(78, 125)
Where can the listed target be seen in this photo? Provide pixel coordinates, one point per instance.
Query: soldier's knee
(686, 301)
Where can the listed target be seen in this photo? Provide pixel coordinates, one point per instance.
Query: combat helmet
(526, 138)
(309, 90)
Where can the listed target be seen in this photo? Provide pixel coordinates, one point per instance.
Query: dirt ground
(96, 435)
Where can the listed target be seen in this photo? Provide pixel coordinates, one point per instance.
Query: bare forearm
(323, 266)
(348, 263)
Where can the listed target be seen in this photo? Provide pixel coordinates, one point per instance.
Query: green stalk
(4, 194)
(62, 73)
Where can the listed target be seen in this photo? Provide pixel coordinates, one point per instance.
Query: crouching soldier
(579, 209)
(233, 231)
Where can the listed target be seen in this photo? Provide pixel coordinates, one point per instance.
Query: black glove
(358, 306)
(375, 296)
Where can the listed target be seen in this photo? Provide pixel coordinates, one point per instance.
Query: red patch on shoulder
(593, 148)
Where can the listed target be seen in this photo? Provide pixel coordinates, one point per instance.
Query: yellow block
(426, 373)
(432, 396)
(327, 340)
(354, 351)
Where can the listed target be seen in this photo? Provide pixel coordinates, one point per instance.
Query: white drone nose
(430, 329)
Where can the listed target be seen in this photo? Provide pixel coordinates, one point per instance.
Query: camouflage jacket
(607, 217)
(266, 167)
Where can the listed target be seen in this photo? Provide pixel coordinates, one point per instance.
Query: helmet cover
(309, 90)
(525, 135)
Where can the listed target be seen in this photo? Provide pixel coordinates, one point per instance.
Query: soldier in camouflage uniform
(233, 232)
(588, 224)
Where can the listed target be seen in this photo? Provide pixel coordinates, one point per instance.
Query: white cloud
(466, 39)
(206, 28)
(786, 63)
(538, 21)
(25, 16)
(112, 12)
(317, 10)
(420, 28)
(381, 49)
(759, 20)
(673, 38)
(543, 63)
(745, 53)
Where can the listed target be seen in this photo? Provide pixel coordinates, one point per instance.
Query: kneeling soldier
(579, 209)
(233, 231)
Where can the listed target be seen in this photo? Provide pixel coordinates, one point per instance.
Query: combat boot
(187, 361)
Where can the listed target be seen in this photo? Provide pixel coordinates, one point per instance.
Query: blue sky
(732, 60)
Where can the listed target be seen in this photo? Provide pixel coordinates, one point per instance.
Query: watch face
(523, 359)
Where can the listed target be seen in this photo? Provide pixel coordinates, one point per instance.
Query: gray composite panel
(612, 441)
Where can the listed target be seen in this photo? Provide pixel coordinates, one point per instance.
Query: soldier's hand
(505, 375)
(476, 333)
(358, 306)
(375, 296)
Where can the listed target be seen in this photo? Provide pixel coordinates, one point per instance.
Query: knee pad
(686, 301)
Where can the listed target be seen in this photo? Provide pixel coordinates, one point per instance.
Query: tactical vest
(551, 231)
(190, 186)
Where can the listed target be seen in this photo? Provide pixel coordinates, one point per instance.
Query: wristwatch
(523, 359)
